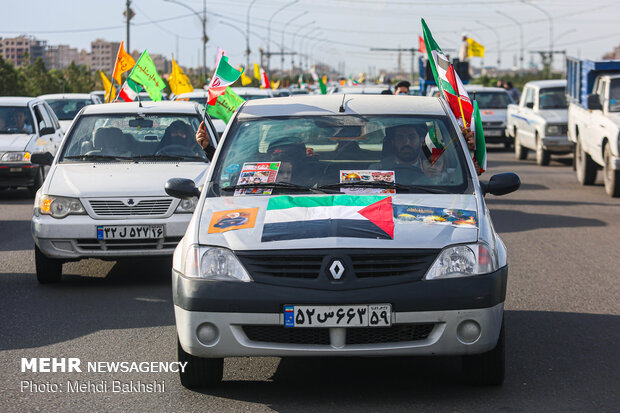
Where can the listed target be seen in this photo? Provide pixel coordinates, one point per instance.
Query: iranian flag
(264, 80)
(451, 91)
(432, 147)
(130, 91)
(349, 216)
(225, 75)
(480, 153)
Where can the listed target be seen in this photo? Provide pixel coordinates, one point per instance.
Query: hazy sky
(350, 27)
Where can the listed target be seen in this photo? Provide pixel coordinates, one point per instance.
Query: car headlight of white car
(553, 130)
(59, 206)
(187, 206)
(16, 157)
(463, 261)
(209, 263)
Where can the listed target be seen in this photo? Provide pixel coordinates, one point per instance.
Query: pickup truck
(539, 121)
(594, 120)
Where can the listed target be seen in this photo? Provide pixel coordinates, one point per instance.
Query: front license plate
(493, 132)
(15, 169)
(130, 232)
(371, 315)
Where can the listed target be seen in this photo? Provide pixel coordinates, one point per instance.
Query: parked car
(594, 120)
(539, 121)
(251, 93)
(27, 125)
(104, 196)
(200, 97)
(67, 105)
(314, 236)
(99, 93)
(493, 103)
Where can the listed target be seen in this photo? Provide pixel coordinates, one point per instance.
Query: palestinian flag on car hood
(350, 216)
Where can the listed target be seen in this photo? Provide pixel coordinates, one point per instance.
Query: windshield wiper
(98, 157)
(167, 157)
(382, 184)
(281, 185)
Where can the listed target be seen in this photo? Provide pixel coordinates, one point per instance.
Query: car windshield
(552, 98)
(15, 119)
(66, 109)
(491, 100)
(342, 153)
(614, 95)
(114, 137)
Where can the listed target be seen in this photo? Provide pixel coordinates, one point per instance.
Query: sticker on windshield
(257, 173)
(223, 221)
(363, 176)
(428, 215)
(231, 169)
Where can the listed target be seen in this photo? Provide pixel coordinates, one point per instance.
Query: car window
(492, 100)
(614, 95)
(529, 96)
(66, 109)
(51, 115)
(43, 118)
(329, 150)
(552, 98)
(15, 119)
(156, 137)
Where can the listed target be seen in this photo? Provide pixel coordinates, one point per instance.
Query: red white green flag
(225, 75)
(432, 147)
(264, 80)
(480, 153)
(129, 91)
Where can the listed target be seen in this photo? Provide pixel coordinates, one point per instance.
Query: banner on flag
(178, 80)
(145, 73)
(225, 105)
(124, 62)
(475, 49)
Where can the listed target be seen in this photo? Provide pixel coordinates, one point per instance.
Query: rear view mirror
(42, 158)
(594, 103)
(141, 123)
(181, 188)
(501, 184)
(46, 131)
(530, 105)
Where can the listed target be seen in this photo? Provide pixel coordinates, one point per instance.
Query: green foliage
(9, 79)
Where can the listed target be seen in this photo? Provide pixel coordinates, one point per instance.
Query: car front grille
(127, 244)
(398, 333)
(145, 207)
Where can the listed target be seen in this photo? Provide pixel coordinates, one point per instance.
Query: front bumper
(237, 312)
(18, 174)
(560, 144)
(496, 135)
(75, 237)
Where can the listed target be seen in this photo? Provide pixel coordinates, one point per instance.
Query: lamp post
(499, 47)
(309, 25)
(306, 47)
(515, 21)
(269, 32)
(282, 44)
(203, 21)
(247, 36)
(550, 30)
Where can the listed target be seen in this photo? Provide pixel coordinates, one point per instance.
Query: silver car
(331, 228)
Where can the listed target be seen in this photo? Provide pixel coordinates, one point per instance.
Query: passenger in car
(176, 134)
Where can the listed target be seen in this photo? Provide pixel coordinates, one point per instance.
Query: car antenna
(341, 108)
(139, 101)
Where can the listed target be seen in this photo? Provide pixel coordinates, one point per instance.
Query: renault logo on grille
(336, 269)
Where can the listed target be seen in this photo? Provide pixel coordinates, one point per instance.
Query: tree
(9, 79)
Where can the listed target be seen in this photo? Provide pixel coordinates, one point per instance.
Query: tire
(542, 156)
(487, 369)
(507, 145)
(611, 177)
(199, 372)
(49, 270)
(38, 181)
(585, 166)
(520, 150)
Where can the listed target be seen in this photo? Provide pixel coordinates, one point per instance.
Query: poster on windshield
(369, 176)
(257, 173)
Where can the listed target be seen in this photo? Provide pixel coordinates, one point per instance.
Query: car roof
(314, 105)
(66, 96)
(252, 90)
(547, 83)
(134, 107)
(17, 100)
(361, 89)
(194, 94)
(480, 88)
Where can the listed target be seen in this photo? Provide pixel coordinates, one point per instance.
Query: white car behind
(67, 105)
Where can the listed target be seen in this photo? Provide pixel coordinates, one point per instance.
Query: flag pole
(461, 107)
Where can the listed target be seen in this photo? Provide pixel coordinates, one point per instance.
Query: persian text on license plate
(371, 315)
(130, 232)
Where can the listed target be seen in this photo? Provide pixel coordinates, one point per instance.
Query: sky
(337, 32)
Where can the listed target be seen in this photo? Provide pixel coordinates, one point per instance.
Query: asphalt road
(562, 320)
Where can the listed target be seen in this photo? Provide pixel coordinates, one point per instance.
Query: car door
(596, 127)
(47, 141)
(526, 118)
(59, 135)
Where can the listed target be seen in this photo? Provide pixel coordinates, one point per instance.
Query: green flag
(322, 87)
(145, 73)
(225, 105)
(480, 153)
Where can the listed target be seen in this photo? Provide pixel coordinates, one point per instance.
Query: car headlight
(553, 130)
(463, 261)
(210, 263)
(59, 206)
(187, 206)
(16, 157)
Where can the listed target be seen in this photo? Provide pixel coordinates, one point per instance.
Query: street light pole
(203, 21)
(269, 33)
(282, 44)
(293, 43)
(247, 36)
(499, 47)
(515, 21)
(550, 31)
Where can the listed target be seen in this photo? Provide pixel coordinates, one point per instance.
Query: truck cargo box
(581, 74)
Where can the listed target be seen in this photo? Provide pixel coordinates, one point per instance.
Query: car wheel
(199, 372)
(487, 368)
(542, 156)
(611, 177)
(49, 270)
(38, 181)
(520, 150)
(507, 145)
(586, 168)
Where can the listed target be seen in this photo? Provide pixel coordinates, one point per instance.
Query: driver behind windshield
(21, 122)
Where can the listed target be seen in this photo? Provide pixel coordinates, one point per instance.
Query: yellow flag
(124, 62)
(106, 86)
(256, 71)
(275, 85)
(475, 49)
(245, 79)
(178, 80)
(324, 79)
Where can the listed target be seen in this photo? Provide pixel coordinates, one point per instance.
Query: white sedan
(67, 105)
(104, 195)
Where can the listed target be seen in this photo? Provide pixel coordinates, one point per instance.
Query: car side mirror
(181, 188)
(530, 105)
(46, 131)
(42, 158)
(594, 102)
(501, 184)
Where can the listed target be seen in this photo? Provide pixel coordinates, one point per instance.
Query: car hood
(14, 142)
(614, 117)
(493, 115)
(120, 179)
(408, 232)
(555, 115)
